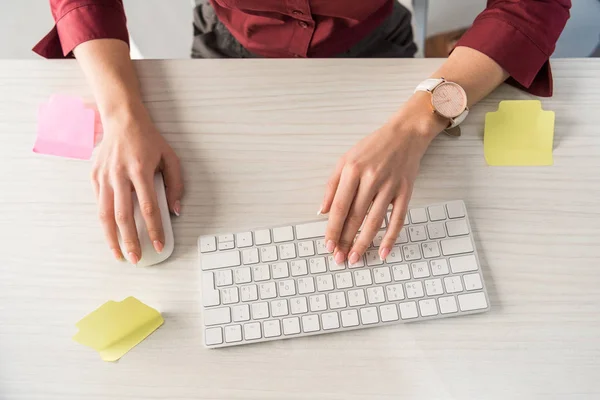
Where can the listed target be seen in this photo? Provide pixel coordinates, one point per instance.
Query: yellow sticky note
(520, 133)
(117, 326)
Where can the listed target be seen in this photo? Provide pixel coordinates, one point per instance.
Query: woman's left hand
(378, 171)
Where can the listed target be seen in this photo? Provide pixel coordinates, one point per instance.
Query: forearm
(111, 74)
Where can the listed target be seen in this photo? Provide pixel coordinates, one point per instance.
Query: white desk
(257, 140)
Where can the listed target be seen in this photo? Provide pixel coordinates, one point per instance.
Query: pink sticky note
(65, 128)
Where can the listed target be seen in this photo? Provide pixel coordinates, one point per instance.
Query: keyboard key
(287, 251)
(298, 305)
(356, 297)
(368, 315)
(230, 295)
(261, 273)
(252, 331)
(279, 308)
(418, 215)
(310, 323)
(457, 228)
(306, 285)
(428, 307)
(414, 290)
(375, 295)
(382, 274)
(240, 313)
(394, 292)
(349, 318)
(317, 265)
(317, 303)
(402, 237)
(224, 259)
(417, 233)
(268, 254)
(411, 252)
(472, 301)
(463, 264)
(228, 237)
(283, 234)
(242, 275)
(436, 231)
(430, 250)
(472, 282)
(378, 238)
(453, 284)
(226, 245)
(330, 320)
(373, 258)
(280, 270)
(436, 213)
(362, 277)
(262, 236)
(358, 264)
(400, 272)
(388, 312)
(244, 239)
(420, 270)
(260, 310)
(333, 266)
(343, 280)
(291, 326)
(217, 316)
(439, 267)
(208, 244)
(213, 336)
(433, 287)
(224, 277)
(457, 246)
(406, 221)
(311, 230)
(299, 267)
(287, 288)
(267, 290)
(249, 293)
(455, 209)
(250, 256)
(394, 256)
(447, 305)
(337, 300)
(408, 310)
(321, 247)
(306, 249)
(324, 282)
(233, 333)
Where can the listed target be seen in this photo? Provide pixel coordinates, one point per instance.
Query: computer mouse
(149, 255)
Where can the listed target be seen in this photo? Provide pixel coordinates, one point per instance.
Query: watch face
(449, 99)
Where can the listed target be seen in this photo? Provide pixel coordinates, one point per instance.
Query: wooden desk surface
(257, 140)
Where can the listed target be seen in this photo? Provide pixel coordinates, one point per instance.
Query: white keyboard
(281, 282)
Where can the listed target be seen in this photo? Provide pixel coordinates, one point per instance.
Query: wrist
(417, 116)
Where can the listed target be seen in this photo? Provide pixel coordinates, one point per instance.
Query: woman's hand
(131, 152)
(378, 171)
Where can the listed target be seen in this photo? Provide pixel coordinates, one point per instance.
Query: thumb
(173, 181)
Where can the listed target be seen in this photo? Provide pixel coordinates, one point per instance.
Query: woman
(508, 40)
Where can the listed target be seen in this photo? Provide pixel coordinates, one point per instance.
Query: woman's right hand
(131, 152)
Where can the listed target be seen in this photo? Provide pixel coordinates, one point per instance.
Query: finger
(173, 181)
(332, 185)
(372, 223)
(343, 198)
(106, 214)
(144, 188)
(125, 220)
(400, 204)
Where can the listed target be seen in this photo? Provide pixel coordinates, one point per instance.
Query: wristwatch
(448, 100)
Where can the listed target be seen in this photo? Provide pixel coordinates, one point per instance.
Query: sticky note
(66, 128)
(117, 326)
(520, 133)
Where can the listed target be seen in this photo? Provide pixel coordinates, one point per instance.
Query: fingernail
(339, 257)
(133, 258)
(383, 253)
(320, 211)
(118, 255)
(330, 246)
(177, 208)
(158, 246)
(353, 259)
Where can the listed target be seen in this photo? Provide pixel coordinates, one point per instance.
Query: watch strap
(428, 85)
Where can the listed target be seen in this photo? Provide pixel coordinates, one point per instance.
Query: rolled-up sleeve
(520, 35)
(78, 21)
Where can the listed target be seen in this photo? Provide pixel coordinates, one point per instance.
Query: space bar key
(223, 259)
(311, 230)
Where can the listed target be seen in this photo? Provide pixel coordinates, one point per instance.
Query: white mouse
(149, 255)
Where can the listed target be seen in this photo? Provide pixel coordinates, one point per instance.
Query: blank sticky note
(520, 133)
(116, 327)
